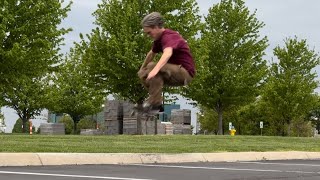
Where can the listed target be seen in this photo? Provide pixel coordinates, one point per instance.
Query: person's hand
(152, 74)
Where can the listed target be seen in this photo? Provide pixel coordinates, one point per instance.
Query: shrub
(68, 124)
(301, 128)
(85, 124)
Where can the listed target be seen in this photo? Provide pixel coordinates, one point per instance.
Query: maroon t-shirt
(181, 52)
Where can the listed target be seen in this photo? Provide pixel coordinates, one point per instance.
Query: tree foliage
(29, 49)
(314, 115)
(291, 84)
(29, 38)
(71, 92)
(27, 98)
(230, 65)
(287, 104)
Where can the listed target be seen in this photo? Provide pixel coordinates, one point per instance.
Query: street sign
(230, 126)
(261, 124)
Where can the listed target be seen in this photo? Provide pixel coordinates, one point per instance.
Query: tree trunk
(318, 126)
(220, 132)
(220, 120)
(75, 127)
(120, 118)
(24, 125)
(139, 125)
(283, 128)
(76, 119)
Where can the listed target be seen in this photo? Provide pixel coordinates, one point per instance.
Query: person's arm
(167, 53)
(148, 59)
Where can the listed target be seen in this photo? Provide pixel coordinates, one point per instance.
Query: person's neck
(161, 30)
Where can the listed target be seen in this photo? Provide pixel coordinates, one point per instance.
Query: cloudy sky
(283, 19)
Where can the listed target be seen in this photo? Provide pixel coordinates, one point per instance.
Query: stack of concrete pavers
(90, 132)
(119, 120)
(52, 128)
(161, 127)
(152, 125)
(181, 116)
(181, 129)
(147, 123)
(112, 117)
(168, 127)
(129, 121)
(130, 126)
(181, 120)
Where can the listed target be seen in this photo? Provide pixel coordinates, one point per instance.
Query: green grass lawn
(154, 144)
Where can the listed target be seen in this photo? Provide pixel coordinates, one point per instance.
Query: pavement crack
(39, 159)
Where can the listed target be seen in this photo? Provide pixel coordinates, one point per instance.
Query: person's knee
(156, 80)
(151, 65)
(142, 74)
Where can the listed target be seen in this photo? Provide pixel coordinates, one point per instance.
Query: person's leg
(143, 73)
(175, 75)
(155, 91)
(170, 74)
(154, 85)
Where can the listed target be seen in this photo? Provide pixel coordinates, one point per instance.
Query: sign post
(230, 126)
(261, 126)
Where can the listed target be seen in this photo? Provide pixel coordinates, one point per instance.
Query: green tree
(207, 121)
(230, 66)
(27, 98)
(117, 48)
(248, 119)
(314, 115)
(29, 49)
(71, 92)
(29, 38)
(290, 87)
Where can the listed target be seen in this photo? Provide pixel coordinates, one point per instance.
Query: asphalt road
(290, 169)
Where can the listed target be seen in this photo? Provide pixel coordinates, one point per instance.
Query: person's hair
(153, 19)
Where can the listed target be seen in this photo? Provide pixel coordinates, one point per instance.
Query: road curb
(41, 159)
(19, 159)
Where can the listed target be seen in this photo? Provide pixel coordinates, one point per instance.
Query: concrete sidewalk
(40, 159)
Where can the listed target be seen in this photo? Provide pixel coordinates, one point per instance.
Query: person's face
(152, 32)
